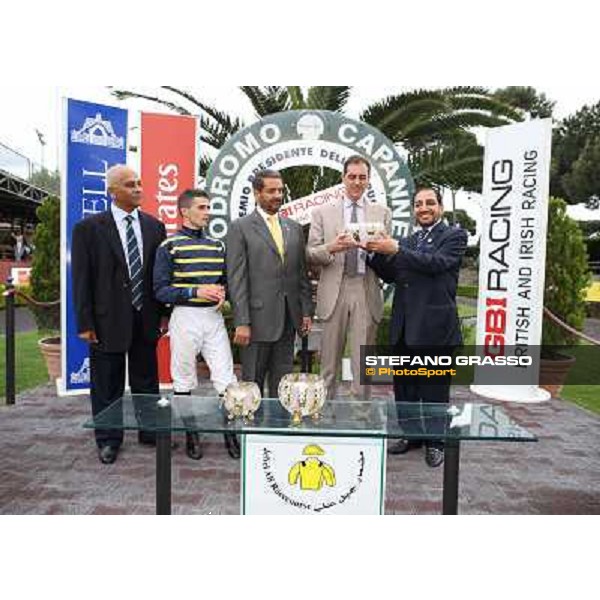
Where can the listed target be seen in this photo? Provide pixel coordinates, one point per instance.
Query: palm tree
(434, 127)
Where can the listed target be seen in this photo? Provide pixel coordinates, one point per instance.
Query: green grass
(30, 365)
(468, 291)
(586, 396)
(466, 310)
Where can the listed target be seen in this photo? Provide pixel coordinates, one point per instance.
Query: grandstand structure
(19, 198)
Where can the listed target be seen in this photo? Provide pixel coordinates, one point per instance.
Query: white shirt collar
(431, 227)
(120, 215)
(359, 203)
(264, 214)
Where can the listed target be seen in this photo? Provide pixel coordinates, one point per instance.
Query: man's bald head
(125, 187)
(116, 174)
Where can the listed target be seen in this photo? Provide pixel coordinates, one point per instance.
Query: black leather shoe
(434, 457)
(402, 446)
(233, 445)
(193, 446)
(107, 455)
(399, 447)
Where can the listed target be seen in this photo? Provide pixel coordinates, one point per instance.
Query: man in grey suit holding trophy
(268, 285)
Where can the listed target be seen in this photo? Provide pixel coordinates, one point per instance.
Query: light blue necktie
(351, 258)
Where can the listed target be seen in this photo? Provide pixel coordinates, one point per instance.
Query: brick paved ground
(48, 465)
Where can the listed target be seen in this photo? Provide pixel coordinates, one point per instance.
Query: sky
(25, 109)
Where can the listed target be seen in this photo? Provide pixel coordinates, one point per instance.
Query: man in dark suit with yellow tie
(268, 285)
(424, 268)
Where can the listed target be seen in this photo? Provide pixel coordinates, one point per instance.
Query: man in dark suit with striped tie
(424, 268)
(117, 315)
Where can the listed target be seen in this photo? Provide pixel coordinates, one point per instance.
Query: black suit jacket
(101, 283)
(424, 307)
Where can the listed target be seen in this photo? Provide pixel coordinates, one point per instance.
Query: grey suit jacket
(326, 223)
(260, 282)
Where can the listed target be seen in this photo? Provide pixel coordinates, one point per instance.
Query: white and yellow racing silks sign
(293, 475)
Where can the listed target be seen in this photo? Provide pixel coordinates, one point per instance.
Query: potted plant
(45, 280)
(567, 278)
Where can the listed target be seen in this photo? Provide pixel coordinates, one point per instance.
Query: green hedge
(567, 275)
(45, 268)
(18, 300)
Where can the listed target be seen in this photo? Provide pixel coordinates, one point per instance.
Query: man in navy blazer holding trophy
(424, 268)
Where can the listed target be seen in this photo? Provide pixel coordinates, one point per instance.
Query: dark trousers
(418, 390)
(270, 360)
(108, 377)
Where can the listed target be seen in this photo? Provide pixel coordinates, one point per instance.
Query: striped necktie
(135, 266)
(421, 235)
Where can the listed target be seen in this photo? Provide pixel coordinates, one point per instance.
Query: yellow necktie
(275, 229)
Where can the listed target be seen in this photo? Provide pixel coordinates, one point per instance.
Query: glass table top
(377, 418)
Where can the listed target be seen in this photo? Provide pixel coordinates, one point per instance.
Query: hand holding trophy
(380, 242)
(370, 232)
(374, 230)
(344, 240)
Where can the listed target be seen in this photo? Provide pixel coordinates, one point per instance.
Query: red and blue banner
(168, 164)
(95, 141)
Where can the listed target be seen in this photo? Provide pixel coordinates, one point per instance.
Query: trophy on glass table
(242, 399)
(302, 395)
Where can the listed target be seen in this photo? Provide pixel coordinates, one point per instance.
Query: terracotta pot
(554, 372)
(51, 350)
